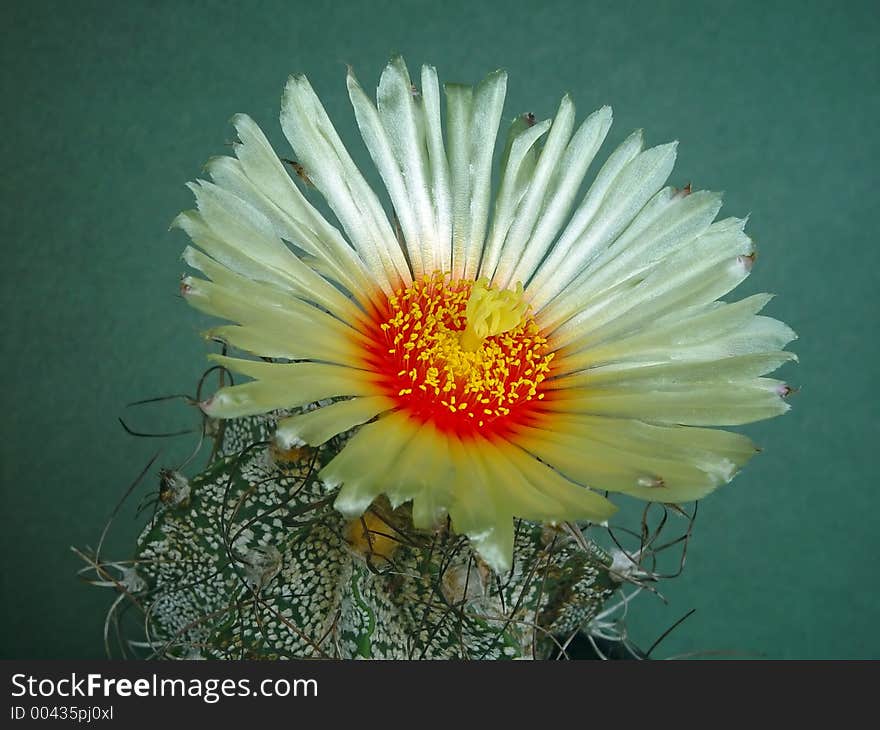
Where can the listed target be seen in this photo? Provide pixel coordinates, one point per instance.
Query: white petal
(696, 274)
(475, 509)
(711, 403)
(533, 202)
(239, 236)
(241, 300)
(658, 376)
(631, 256)
(362, 466)
(666, 225)
(244, 257)
(517, 165)
(320, 425)
(230, 254)
(423, 474)
(703, 332)
(572, 168)
(632, 189)
(545, 283)
(442, 254)
(403, 116)
(653, 462)
(473, 116)
(283, 386)
(385, 149)
(228, 174)
(331, 169)
(530, 489)
(259, 177)
(266, 340)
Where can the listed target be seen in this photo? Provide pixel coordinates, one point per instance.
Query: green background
(108, 108)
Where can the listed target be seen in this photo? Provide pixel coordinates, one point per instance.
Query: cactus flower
(516, 353)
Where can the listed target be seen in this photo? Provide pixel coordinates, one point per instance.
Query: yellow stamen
(463, 353)
(491, 312)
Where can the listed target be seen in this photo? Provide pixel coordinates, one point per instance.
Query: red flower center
(461, 355)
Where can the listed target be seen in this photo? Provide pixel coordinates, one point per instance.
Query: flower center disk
(468, 358)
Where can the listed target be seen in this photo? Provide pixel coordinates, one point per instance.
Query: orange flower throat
(466, 357)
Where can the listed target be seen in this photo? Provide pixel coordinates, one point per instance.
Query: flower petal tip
(747, 261)
(287, 440)
(651, 482)
(347, 505)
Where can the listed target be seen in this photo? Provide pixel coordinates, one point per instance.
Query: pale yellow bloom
(495, 367)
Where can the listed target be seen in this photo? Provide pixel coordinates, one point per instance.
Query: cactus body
(249, 560)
